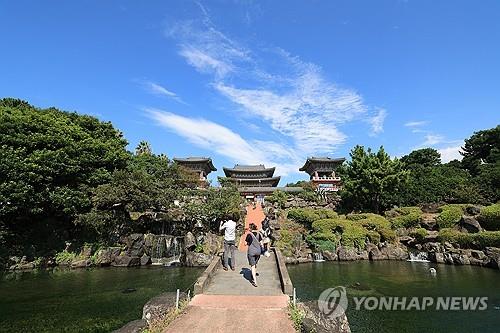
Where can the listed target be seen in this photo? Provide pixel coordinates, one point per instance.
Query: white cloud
(377, 122)
(450, 153)
(156, 89)
(416, 123)
(220, 139)
(432, 140)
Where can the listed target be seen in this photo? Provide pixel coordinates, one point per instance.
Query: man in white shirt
(229, 227)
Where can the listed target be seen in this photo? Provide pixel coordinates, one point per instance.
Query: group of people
(257, 240)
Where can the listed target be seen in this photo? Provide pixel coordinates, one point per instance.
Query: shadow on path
(247, 274)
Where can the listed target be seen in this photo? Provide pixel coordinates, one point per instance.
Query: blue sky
(262, 82)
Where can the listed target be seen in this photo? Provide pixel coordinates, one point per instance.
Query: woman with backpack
(254, 242)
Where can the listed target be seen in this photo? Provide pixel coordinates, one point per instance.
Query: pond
(83, 300)
(395, 278)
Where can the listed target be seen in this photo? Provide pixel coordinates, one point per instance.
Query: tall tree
(371, 180)
(143, 148)
(422, 157)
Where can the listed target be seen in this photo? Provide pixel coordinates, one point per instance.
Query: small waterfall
(168, 250)
(318, 257)
(418, 257)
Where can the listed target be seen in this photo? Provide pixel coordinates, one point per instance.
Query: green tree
(143, 148)
(50, 162)
(371, 180)
(425, 157)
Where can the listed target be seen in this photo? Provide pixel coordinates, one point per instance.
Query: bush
(318, 242)
(419, 234)
(306, 216)
(291, 237)
(278, 197)
(310, 196)
(65, 257)
(354, 236)
(449, 215)
(405, 217)
(376, 223)
(478, 240)
(490, 217)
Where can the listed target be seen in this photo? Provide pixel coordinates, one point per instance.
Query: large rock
(460, 259)
(135, 245)
(157, 307)
(394, 252)
(350, 254)
(195, 259)
(86, 252)
(145, 260)
(82, 263)
(330, 256)
(126, 261)
(436, 257)
(189, 242)
(212, 243)
(469, 224)
(104, 257)
(316, 321)
(473, 210)
(493, 254)
(136, 326)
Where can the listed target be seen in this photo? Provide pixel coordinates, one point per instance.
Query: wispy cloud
(156, 89)
(416, 123)
(432, 139)
(377, 122)
(222, 140)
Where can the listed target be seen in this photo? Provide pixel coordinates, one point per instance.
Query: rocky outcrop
(104, 257)
(387, 252)
(330, 256)
(81, 263)
(195, 259)
(157, 307)
(316, 321)
(135, 245)
(126, 261)
(469, 224)
(145, 260)
(189, 242)
(350, 254)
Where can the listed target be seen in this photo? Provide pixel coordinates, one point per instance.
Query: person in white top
(229, 227)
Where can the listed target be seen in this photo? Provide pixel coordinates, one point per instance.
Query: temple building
(251, 176)
(199, 165)
(322, 172)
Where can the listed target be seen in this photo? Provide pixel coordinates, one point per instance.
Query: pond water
(83, 300)
(395, 278)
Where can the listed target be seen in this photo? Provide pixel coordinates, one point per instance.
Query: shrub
(306, 216)
(419, 234)
(354, 236)
(449, 215)
(478, 240)
(318, 242)
(65, 257)
(404, 217)
(490, 217)
(376, 223)
(278, 197)
(310, 196)
(373, 236)
(291, 237)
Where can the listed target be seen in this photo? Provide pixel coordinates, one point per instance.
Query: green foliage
(449, 216)
(371, 180)
(426, 157)
(354, 236)
(296, 315)
(306, 216)
(309, 195)
(490, 217)
(278, 197)
(405, 217)
(65, 257)
(291, 238)
(419, 234)
(478, 240)
(377, 223)
(143, 148)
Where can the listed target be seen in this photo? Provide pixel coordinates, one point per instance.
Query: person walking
(254, 242)
(229, 227)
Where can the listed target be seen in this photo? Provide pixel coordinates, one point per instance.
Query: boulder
(135, 245)
(104, 257)
(432, 236)
(430, 208)
(126, 261)
(460, 259)
(436, 257)
(316, 321)
(350, 254)
(330, 256)
(432, 247)
(145, 260)
(448, 259)
(136, 326)
(493, 254)
(81, 263)
(189, 242)
(473, 210)
(157, 307)
(213, 243)
(86, 252)
(469, 224)
(195, 259)
(393, 252)
(407, 240)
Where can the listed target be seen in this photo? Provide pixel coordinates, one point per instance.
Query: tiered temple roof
(252, 176)
(201, 165)
(321, 166)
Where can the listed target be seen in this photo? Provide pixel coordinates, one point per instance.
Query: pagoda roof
(194, 160)
(260, 168)
(274, 181)
(312, 160)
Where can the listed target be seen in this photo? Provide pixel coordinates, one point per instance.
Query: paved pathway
(231, 304)
(254, 215)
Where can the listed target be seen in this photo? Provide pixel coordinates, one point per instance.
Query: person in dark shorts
(254, 242)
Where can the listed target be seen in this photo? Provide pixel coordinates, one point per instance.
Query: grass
(161, 324)
(296, 315)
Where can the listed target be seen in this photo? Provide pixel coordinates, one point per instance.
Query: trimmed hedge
(376, 223)
(490, 217)
(404, 217)
(450, 215)
(419, 234)
(478, 240)
(306, 216)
